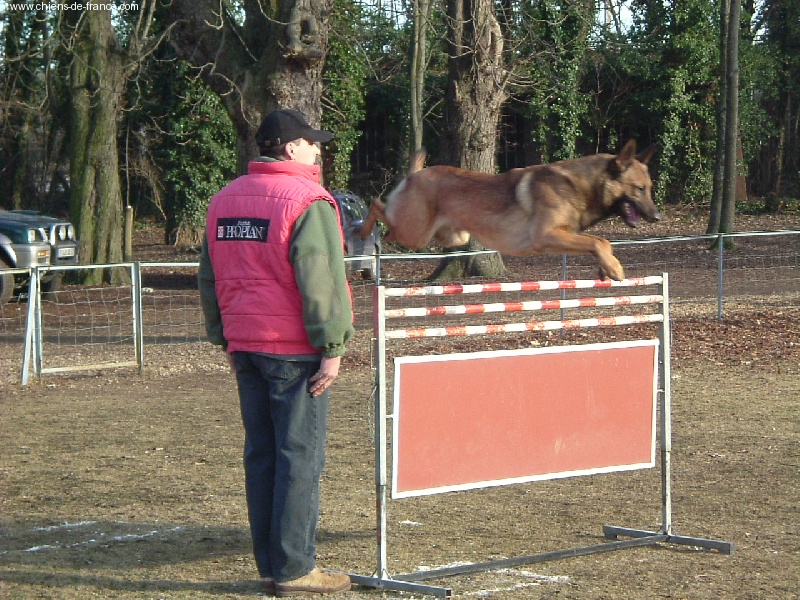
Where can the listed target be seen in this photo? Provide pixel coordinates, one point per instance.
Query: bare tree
(721, 112)
(24, 38)
(476, 90)
(726, 175)
(731, 122)
(99, 69)
(267, 55)
(422, 10)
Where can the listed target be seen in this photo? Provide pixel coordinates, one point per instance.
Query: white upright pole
(381, 469)
(138, 315)
(30, 327)
(666, 410)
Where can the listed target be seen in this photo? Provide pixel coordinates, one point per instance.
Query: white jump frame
(381, 578)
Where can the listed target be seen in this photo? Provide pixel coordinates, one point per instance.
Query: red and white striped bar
(525, 286)
(522, 327)
(531, 305)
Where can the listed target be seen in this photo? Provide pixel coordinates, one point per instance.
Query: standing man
(275, 297)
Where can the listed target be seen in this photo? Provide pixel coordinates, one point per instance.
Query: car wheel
(6, 284)
(52, 285)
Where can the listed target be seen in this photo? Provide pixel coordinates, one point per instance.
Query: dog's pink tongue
(631, 214)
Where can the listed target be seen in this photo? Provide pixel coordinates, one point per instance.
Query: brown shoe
(268, 585)
(316, 582)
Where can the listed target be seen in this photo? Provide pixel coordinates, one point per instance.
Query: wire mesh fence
(84, 325)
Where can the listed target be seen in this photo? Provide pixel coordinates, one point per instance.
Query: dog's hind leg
(377, 212)
(377, 209)
(451, 238)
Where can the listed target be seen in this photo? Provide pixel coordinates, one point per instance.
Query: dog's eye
(640, 189)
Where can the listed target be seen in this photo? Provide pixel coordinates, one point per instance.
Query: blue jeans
(284, 454)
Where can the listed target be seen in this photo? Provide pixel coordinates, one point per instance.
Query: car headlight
(62, 232)
(71, 232)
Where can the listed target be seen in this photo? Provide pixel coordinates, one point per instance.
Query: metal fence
(154, 315)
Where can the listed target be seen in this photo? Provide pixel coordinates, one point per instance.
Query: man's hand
(322, 379)
(229, 358)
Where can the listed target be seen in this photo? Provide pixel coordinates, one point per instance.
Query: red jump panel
(473, 420)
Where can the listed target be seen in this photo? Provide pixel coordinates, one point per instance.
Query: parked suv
(30, 239)
(354, 211)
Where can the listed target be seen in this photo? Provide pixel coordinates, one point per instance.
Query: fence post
(29, 326)
(38, 334)
(720, 269)
(138, 322)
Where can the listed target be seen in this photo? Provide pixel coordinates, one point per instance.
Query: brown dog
(534, 210)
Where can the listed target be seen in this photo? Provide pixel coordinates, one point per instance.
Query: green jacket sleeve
(206, 283)
(318, 259)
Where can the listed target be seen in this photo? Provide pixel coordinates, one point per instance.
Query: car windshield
(352, 211)
(352, 206)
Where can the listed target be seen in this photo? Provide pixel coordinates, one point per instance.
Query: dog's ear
(624, 159)
(645, 155)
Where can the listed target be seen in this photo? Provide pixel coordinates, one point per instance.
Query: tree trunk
(726, 224)
(780, 153)
(715, 211)
(22, 49)
(274, 60)
(476, 87)
(478, 265)
(97, 82)
(419, 62)
(476, 91)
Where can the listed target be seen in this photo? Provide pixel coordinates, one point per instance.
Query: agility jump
(593, 428)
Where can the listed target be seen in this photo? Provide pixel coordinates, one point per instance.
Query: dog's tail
(377, 209)
(417, 161)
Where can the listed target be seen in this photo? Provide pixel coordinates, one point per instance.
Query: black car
(30, 239)
(354, 211)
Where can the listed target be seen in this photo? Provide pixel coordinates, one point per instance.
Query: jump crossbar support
(381, 579)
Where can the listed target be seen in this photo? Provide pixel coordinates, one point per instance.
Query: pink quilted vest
(249, 228)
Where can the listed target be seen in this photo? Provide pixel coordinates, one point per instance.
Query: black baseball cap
(286, 125)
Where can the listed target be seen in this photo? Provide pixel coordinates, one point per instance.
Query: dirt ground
(120, 485)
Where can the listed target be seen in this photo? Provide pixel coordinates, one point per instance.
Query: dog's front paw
(615, 272)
